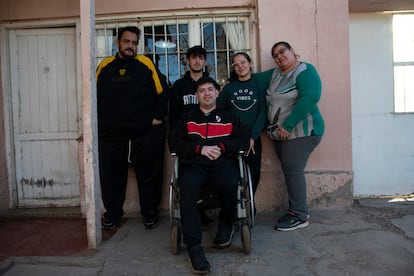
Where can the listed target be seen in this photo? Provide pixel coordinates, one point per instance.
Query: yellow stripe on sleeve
(101, 65)
(150, 65)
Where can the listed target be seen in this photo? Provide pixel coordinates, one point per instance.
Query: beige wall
(102, 7)
(318, 30)
(319, 34)
(37, 9)
(42, 9)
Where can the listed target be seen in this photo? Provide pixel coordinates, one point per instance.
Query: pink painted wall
(38, 9)
(43, 9)
(160, 5)
(318, 31)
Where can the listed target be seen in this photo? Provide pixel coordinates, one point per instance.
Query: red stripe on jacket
(210, 130)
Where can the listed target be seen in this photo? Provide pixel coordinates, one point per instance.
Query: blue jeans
(293, 155)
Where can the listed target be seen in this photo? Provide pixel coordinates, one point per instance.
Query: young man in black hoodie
(182, 94)
(207, 141)
(131, 108)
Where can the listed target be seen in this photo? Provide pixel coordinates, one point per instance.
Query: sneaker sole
(301, 225)
(197, 271)
(109, 226)
(151, 226)
(226, 244)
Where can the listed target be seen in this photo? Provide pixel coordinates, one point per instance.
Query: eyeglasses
(239, 64)
(280, 52)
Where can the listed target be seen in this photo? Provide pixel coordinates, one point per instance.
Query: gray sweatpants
(293, 155)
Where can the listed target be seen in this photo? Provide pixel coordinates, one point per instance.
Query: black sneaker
(151, 220)
(224, 235)
(109, 224)
(198, 260)
(290, 222)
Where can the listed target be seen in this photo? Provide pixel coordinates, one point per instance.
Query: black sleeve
(174, 105)
(240, 138)
(179, 143)
(161, 100)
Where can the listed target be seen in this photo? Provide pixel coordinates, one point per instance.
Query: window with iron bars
(166, 40)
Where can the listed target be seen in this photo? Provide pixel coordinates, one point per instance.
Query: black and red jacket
(196, 129)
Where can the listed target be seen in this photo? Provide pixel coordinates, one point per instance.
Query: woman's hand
(283, 133)
(251, 148)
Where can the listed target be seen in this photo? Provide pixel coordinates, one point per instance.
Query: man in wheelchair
(207, 141)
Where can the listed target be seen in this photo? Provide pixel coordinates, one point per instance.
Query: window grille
(166, 39)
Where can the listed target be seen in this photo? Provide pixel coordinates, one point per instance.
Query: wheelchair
(244, 210)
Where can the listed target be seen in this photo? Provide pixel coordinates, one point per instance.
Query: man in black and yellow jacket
(131, 108)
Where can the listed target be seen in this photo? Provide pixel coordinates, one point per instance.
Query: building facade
(41, 150)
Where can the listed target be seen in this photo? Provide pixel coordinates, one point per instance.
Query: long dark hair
(233, 75)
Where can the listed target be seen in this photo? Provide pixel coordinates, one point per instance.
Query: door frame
(6, 76)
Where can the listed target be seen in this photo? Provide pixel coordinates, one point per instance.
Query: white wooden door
(46, 116)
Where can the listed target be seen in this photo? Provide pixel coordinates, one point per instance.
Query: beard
(196, 70)
(127, 53)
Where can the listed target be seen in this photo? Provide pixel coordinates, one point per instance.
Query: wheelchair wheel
(175, 238)
(248, 193)
(173, 206)
(174, 195)
(170, 203)
(246, 238)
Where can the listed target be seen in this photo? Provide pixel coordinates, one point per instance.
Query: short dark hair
(206, 79)
(131, 29)
(284, 43)
(196, 51)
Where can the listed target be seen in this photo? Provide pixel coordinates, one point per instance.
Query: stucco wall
(382, 140)
(318, 30)
(42, 9)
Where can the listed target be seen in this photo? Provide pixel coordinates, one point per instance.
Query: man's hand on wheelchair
(211, 152)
